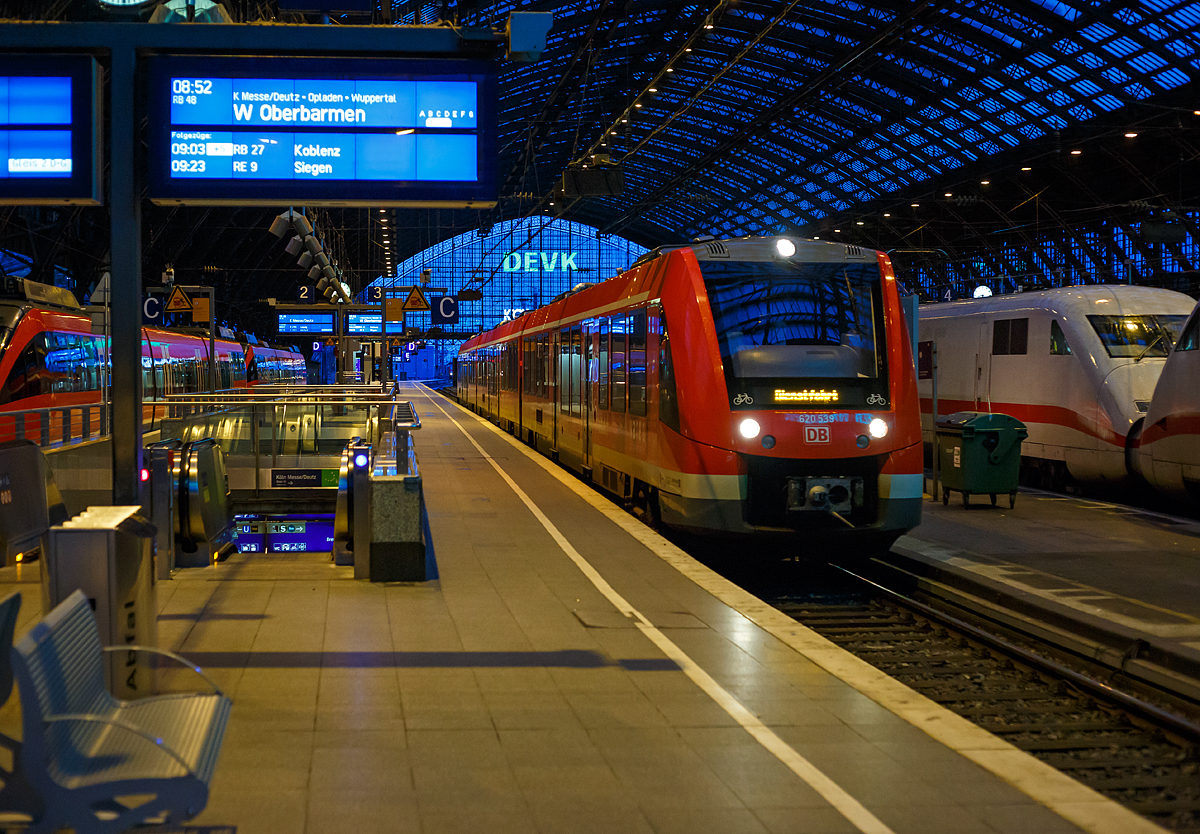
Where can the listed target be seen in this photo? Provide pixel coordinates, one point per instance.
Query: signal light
(360, 459)
(145, 475)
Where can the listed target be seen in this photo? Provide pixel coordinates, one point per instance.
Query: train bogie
(1077, 365)
(726, 386)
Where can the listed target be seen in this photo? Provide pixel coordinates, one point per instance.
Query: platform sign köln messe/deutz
(342, 131)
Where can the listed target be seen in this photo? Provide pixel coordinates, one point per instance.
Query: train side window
(668, 397)
(564, 369)
(602, 395)
(1010, 337)
(575, 369)
(1189, 339)
(1058, 340)
(637, 363)
(616, 364)
(23, 379)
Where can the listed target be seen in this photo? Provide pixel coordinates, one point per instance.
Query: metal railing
(62, 425)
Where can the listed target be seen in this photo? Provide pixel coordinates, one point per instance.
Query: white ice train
(1077, 365)
(1166, 443)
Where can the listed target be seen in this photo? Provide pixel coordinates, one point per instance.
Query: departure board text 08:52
(314, 129)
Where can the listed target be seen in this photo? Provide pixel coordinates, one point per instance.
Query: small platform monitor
(329, 131)
(49, 130)
(305, 323)
(364, 323)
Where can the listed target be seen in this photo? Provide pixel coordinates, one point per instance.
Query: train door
(556, 386)
(522, 348)
(587, 397)
(983, 367)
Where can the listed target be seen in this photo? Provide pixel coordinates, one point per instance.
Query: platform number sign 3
(816, 434)
(374, 294)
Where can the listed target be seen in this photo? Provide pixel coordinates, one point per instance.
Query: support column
(126, 311)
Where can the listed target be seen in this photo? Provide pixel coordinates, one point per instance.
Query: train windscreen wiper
(1149, 347)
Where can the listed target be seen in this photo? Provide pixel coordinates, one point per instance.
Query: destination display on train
(374, 132)
(47, 131)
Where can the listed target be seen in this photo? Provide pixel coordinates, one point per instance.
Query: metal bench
(84, 751)
(16, 797)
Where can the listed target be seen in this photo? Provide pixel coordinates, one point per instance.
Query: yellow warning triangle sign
(178, 301)
(416, 301)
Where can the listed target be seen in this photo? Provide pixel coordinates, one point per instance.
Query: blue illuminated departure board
(362, 323)
(334, 131)
(305, 323)
(49, 141)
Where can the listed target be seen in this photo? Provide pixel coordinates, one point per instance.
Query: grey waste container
(106, 552)
(980, 454)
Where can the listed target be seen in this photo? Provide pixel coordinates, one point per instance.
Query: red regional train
(49, 358)
(751, 386)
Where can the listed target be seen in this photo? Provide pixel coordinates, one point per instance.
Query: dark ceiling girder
(812, 87)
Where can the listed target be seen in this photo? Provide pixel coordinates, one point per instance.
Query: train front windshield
(797, 334)
(1134, 337)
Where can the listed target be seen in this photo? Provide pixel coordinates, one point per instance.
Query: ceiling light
(837, 231)
(915, 205)
(624, 121)
(654, 89)
(405, 132)
(887, 214)
(689, 49)
(985, 182)
(1026, 169)
(639, 104)
(1076, 153)
(381, 211)
(669, 69)
(1130, 135)
(816, 237)
(383, 221)
(708, 26)
(948, 194)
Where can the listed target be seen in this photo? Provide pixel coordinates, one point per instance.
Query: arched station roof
(972, 138)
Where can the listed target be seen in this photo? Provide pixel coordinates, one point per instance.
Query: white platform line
(845, 804)
(1074, 801)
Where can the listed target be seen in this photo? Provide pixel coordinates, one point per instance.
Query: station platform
(569, 671)
(1119, 583)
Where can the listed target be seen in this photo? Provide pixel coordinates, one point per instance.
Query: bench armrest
(87, 718)
(164, 653)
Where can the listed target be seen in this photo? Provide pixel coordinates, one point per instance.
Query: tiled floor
(507, 697)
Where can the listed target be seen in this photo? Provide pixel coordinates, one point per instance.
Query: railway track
(1039, 707)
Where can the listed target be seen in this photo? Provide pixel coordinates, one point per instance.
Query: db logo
(816, 434)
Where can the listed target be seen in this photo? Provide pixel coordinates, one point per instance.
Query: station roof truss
(977, 140)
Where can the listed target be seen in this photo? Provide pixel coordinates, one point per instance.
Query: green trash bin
(980, 454)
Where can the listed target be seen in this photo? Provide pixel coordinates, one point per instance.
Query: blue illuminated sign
(364, 323)
(305, 323)
(49, 139)
(246, 131)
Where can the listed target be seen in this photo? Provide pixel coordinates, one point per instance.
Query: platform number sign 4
(816, 434)
(947, 294)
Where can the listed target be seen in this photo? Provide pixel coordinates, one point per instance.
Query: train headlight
(878, 428)
(785, 247)
(749, 428)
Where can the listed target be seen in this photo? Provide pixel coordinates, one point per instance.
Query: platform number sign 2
(306, 293)
(816, 434)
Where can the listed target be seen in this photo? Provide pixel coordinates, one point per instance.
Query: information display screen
(305, 323)
(339, 131)
(357, 323)
(49, 141)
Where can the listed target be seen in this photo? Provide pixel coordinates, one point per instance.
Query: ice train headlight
(749, 428)
(785, 247)
(878, 428)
